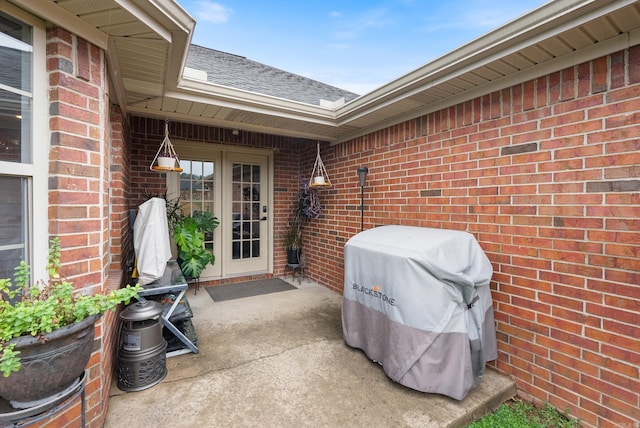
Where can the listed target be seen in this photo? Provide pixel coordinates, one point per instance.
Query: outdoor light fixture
(362, 175)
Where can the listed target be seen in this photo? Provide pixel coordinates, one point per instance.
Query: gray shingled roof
(239, 72)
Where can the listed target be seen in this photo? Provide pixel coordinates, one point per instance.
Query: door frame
(219, 152)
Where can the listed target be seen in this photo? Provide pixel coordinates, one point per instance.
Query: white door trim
(195, 150)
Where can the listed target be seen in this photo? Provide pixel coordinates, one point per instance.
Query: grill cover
(151, 240)
(417, 301)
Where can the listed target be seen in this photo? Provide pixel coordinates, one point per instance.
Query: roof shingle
(241, 73)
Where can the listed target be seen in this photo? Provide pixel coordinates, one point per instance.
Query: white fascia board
(177, 58)
(183, 117)
(51, 12)
(543, 23)
(211, 93)
(592, 52)
(145, 18)
(253, 107)
(180, 26)
(175, 14)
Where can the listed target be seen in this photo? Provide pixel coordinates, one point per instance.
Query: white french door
(235, 186)
(199, 190)
(245, 242)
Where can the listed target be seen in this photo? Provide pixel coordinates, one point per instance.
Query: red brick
(617, 67)
(563, 284)
(599, 75)
(554, 89)
(568, 78)
(610, 339)
(529, 99)
(579, 340)
(562, 346)
(584, 80)
(634, 64)
(627, 368)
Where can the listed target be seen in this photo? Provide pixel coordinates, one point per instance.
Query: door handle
(263, 218)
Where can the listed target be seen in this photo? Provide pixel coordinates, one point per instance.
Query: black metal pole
(361, 208)
(362, 176)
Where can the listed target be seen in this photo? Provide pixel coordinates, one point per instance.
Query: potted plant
(308, 200)
(293, 239)
(307, 207)
(189, 236)
(166, 161)
(46, 330)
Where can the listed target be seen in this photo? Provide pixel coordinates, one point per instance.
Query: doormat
(220, 293)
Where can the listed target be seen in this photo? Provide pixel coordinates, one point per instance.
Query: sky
(357, 45)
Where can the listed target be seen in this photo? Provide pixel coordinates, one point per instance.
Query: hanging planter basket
(166, 158)
(319, 176)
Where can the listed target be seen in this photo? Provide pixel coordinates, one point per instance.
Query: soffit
(558, 35)
(147, 41)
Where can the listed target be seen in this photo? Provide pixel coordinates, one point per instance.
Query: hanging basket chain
(319, 176)
(166, 150)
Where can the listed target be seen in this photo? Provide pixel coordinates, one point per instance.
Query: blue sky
(356, 45)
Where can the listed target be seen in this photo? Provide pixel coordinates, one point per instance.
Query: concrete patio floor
(279, 360)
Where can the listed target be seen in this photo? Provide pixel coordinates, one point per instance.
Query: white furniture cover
(151, 240)
(417, 301)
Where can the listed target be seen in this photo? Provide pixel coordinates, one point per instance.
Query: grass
(520, 414)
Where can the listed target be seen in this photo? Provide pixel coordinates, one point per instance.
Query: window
(197, 190)
(19, 186)
(245, 182)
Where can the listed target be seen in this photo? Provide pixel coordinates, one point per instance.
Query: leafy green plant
(41, 308)
(520, 414)
(189, 235)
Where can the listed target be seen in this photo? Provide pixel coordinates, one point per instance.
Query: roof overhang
(557, 35)
(147, 42)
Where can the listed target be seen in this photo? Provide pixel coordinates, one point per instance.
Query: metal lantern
(142, 353)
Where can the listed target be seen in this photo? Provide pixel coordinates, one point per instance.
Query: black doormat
(220, 293)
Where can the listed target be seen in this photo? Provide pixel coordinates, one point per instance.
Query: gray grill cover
(417, 301)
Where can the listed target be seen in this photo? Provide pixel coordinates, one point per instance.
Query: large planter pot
(49, 366)
(292, 256)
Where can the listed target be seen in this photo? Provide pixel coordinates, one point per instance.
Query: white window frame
(37, 172)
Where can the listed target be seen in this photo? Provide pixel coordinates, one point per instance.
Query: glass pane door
(197, 193)
(234, 186)
(248, 206)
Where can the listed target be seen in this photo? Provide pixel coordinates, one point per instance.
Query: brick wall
(120, 240)
(79, 194)
(147, 134)
(546, 175)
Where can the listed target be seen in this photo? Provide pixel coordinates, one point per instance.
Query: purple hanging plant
(308, 199)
